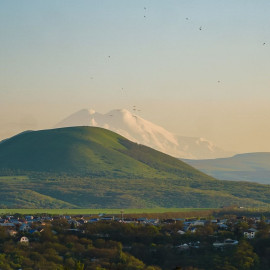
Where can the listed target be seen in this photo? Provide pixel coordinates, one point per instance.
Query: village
(23, 227)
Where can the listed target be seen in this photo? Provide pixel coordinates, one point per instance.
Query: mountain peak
(139, 130)
(91, 111)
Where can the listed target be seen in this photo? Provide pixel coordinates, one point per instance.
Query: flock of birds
(122, 89)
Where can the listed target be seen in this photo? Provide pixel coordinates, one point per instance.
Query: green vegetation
(58, 191)
(91, 152)
(130, 246)
(87, 167)
(14, 177)
(99, 211)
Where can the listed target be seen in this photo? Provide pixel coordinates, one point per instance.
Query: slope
(89, 151)
(253, 167)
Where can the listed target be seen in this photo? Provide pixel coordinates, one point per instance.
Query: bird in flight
(200, 28)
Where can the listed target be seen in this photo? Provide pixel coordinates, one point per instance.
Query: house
(250, 233)
(222, 226)
(92, 220)
(168, 221)
(128, 220)
(267, 221)
(9, 226)
(183, 247)
(227, 242)
(186, 228)
(15, 221)
(32, 231)
(142, 220)
(25, 227)
(218, 245)
(214, 221)
(81, 221)
(74, 222)
(107, 218)
(198, 223)
(24, 240)
(47, 218)
(230, 242)
(153, 221)
(257, 219)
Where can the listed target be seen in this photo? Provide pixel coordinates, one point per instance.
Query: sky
(197, 68)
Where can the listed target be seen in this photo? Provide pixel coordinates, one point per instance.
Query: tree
(79, 266)
(244, 258)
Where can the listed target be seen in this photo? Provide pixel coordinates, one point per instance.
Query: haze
(197, 68)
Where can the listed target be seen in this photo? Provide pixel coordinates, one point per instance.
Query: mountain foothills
(90, 167)
(253, 167)
(137, 129)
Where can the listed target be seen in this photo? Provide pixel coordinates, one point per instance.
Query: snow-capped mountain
(139, 130)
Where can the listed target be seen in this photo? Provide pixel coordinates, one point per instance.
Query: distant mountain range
(253, 167)
(137, 129)
(90, 167)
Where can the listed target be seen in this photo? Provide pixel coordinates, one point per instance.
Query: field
(15, 177)
(98, 211)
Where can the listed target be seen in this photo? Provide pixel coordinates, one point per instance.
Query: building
(250, 233)
(24, 240)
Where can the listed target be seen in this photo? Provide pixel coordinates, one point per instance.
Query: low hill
(88, 167)
(253, 167)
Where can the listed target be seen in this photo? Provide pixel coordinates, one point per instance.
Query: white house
(250, 233)
(24, 240)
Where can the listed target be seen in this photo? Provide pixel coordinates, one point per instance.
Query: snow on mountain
(139, 130)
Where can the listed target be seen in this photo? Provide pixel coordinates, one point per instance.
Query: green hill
(88, 167)
(89, 151)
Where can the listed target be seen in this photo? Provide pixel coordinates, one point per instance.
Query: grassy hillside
(87, 167)
(89, 151)
(85, 192)
(253, 167)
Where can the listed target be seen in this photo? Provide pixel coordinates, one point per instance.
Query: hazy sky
(198, 68)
